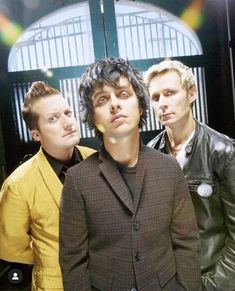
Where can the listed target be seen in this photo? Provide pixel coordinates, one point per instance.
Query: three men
(30, 196)
(207, 158)
(127, 220)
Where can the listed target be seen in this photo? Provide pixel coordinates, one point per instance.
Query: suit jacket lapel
(139, 178)
(48, 175)
(115, 180)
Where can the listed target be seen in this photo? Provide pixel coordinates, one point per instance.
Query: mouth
(165, 116)
(70, 133)
(117, 117)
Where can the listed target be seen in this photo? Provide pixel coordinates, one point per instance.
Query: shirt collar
(57, 166)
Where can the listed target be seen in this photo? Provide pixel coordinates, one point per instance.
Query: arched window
(62, 43)
(60, 39)
(146, 31)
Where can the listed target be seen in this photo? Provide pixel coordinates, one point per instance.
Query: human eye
(52, 118)
(155, 98)
(68, 113)
(101, 100)
(169, 92)
(124, 94)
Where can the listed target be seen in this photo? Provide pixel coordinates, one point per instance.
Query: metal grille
(59, 43)
(69, 89)
(200, 106)
(146, 31)
(19, 90)
(64, 39)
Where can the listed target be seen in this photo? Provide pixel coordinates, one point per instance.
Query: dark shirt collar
(57, 166)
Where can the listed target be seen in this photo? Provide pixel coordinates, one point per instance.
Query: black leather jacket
(210, 171)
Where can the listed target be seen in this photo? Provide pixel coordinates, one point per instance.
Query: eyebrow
(117, 88)
(154, 94)
(59, 111)
(127, 86)
(101, 90)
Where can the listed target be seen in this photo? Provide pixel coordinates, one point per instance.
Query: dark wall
(218, 69)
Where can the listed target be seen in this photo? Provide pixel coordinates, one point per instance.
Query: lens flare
(193, 15)
(9, 31)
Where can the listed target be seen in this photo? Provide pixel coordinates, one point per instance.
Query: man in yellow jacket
(30, 196)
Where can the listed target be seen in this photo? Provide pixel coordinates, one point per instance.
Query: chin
(73, 142)
(76, 142)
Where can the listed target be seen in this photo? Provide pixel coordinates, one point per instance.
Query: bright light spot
(112, 140)
(9, 31)
(44, 69)
(49, 74)
(192, 15)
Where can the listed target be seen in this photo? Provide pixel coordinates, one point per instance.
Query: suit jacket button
(136, 226)
(137, 257)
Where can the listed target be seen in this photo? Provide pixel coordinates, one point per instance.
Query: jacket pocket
(167, 272)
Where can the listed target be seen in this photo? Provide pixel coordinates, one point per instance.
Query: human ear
(35, 135)
(192, 94)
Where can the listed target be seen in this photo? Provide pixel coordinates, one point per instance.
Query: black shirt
(129, 176)
(59, 168)
(128, 173)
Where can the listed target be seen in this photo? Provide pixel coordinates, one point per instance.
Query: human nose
(114, 103)
(68, 121)
(162, 102)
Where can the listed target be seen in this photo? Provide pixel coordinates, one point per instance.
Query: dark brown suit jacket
(110, 243)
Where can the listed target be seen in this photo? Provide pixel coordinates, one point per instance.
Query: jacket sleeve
(185, 237)
(223, 275)
(14, 225)
(73, 238)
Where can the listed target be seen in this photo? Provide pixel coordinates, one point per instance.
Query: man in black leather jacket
(207, 159)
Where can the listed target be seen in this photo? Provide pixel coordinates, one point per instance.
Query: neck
(177, 136)
(124, 150)
(63, 156)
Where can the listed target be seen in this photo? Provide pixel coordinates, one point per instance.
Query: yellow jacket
(29, 220)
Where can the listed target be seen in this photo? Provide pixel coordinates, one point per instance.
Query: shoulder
(156, 157)
(214, 139)
(161, 167)
(20, 180)
(217, 148)
(23, 171)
